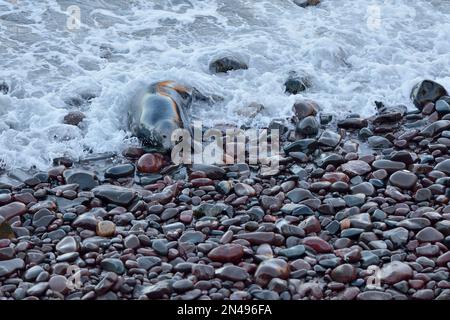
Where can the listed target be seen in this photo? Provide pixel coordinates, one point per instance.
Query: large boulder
(425, 92)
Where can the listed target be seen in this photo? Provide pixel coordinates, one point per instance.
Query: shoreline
(358, 210)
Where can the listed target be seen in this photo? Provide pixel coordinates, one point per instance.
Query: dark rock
(403, 179)
(225, 64)
(443, 166)
(396, 271)
(344, 273)
(150, 163)
(269, 269)
(429, 234)
(115, 194)
(329, 139)
(425, 92)
(353, 123)
(356, 168)
(378, 142)
(113, 265)
(86, 180)
(295, 84)
(227, 253)
(308, 126)
(120, 171)
(9, 266)
(435, 128)
(388, 165)
(11, 210)
(293, 252)
(74, 118)
(306, 3)
(193, 237)
(257, 237)
(306, 108)
(319, 245)
(232, 273)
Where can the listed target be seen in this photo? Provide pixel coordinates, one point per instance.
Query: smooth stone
(305, 108)
(319, 245)
(293, 252)
(435, 128)
(429, 234)
(242, 189)
(395, 271)
(344, 273)
(86, 180)
(425, 92)
(399, 236)
(106, 228)
(150, 163)
(443, 166)
(113, 265)
(227, 253)
(356, 168)
(329, 139)
(115, 194)
(374, 295)
(378, 142)
(120, 171)
(388, 165)
(226, 64)
(257, 237)
(58, 283)
(132, 242)
(403, 179)
(269, 269)
(9, 266)
(74, 118)
(308, 126)
(66, 245)
(11, 210)
(43, 218)
(232, 273)
(193, 237)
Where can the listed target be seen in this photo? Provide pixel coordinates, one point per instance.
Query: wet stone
(429, 234)
(395, 271)
(74, 118)
(271, 268)
(226, 64)
(344, 273)
(67, 244)
(232, 273)
(403, 179)
(9, 266)
(86, 180)
(193, 237)
(113, 265)
(227, 253)
(425, 92)
(106, 228)
(120, 171)
(115, 194)
(377, 142)
(12, 210)
(356, 168)
(292, 252)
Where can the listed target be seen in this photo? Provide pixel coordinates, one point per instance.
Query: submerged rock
(225, 64)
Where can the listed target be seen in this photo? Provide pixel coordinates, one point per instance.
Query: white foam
(124, 44)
